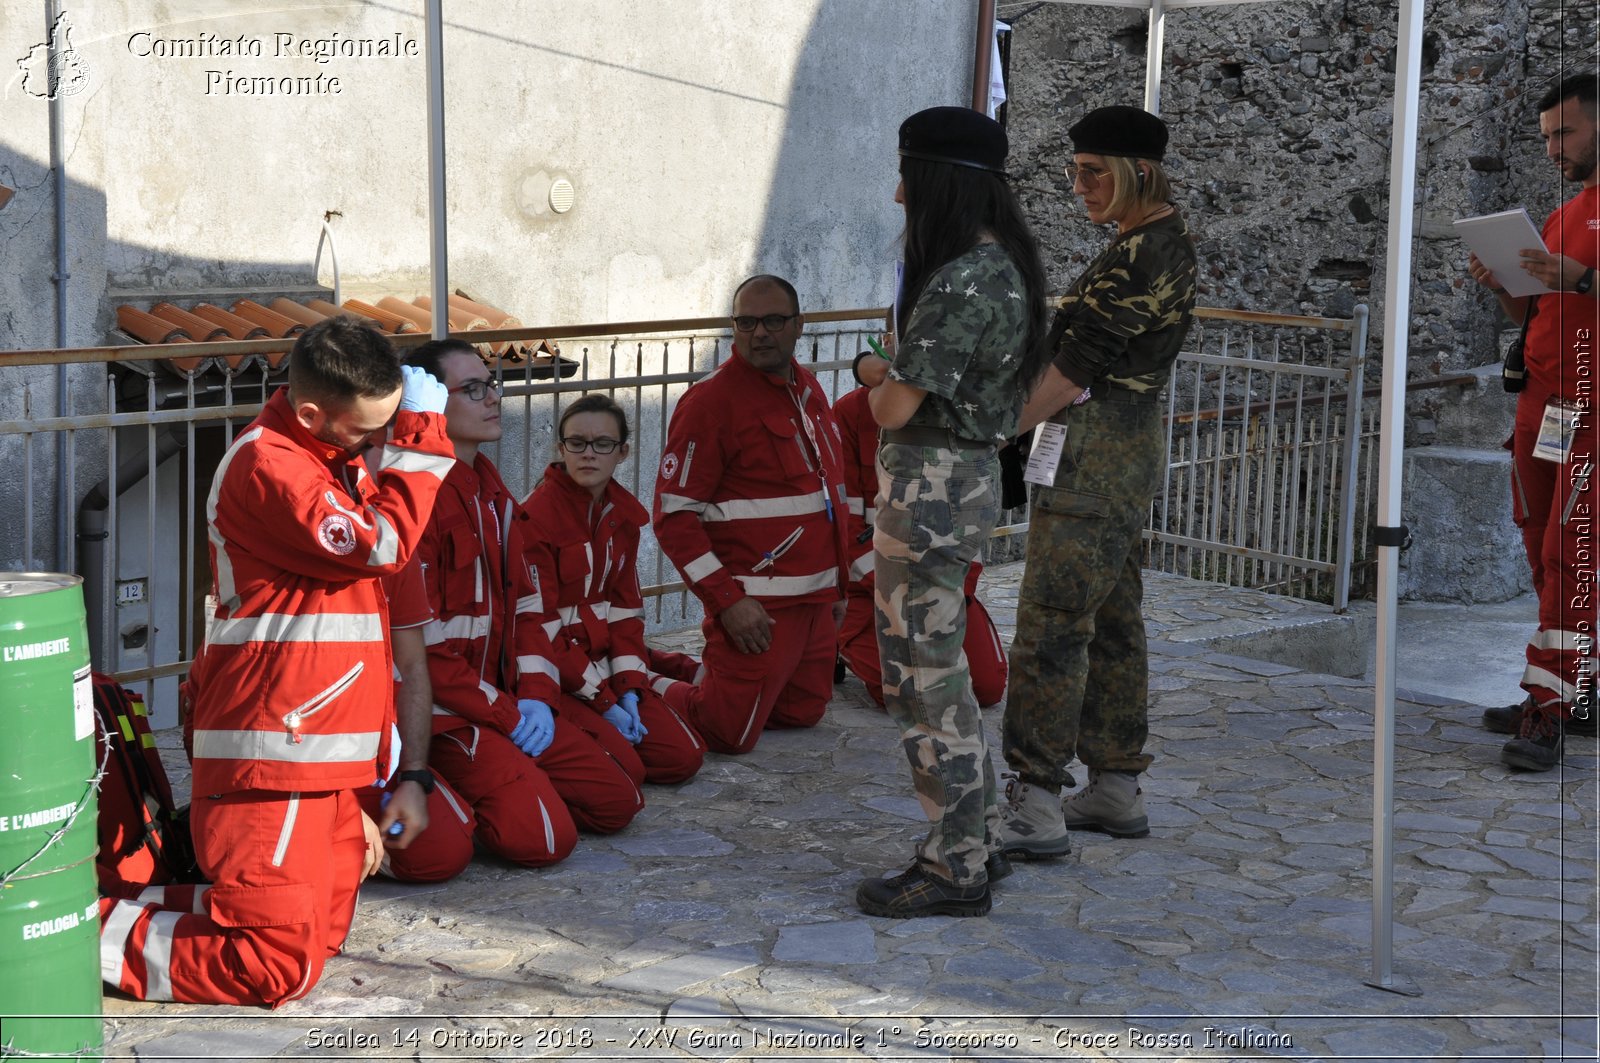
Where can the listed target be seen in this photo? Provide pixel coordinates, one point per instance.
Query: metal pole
(1389, 535)
(58, 176)
(980, 56)
(1345, 556)
(1154, 47)
(438, 257)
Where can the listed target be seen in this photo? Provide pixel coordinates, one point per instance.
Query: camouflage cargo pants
(1079, 666)
(935, 508)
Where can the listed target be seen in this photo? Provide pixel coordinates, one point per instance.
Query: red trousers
(986, 656)
(1554, 504)
(672, 752)
(284, 868)
(786, 685)
(439, 853)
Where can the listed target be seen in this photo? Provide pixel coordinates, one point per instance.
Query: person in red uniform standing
(1553, 443)
(582, 545)
(858, 641)
(441, 848)
(749, 505)
(292, 693)
(532, 773)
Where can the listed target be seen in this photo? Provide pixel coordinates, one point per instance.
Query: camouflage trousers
(935, 508)
(1079, 665)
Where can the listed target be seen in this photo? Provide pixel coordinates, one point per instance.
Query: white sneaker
(1032, 825)
(1112, 803)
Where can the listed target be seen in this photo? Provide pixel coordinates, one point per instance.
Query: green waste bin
(49, 916)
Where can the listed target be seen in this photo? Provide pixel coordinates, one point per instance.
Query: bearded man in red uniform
(292, 694)
(1553, 445)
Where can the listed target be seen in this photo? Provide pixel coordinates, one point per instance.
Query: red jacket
(293, 687)
(858, 432)
(750, 496)
(584, 555)
(485, 648)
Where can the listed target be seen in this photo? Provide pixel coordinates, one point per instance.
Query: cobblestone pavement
(721, 924)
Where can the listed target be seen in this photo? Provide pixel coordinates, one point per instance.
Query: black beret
(957, 135)
(1126, 131)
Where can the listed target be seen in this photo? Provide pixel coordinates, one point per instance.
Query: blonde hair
(1128, 198)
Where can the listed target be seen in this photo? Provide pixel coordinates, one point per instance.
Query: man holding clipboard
(1553, 444)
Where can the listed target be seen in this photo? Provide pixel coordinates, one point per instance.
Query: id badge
(1556, 430)
(1044, 456)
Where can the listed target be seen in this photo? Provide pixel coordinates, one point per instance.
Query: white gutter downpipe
(437, 256)
(1155, 46)
(1389, 535)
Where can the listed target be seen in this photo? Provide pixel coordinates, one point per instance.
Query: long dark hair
(948, 210)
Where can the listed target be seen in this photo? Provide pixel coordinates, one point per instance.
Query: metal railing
(1261, 491)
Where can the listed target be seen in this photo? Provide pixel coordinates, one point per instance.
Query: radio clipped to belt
(1514, 371)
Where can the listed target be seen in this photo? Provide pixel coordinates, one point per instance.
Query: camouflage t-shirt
(1124, 318)
(963, 346)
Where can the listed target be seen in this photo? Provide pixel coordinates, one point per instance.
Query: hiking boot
(1508, 721)
(1032, 823)
(1112, 803)
(914, 893)
(997, 866)
(1537, 746)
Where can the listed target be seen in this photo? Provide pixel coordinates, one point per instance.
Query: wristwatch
(421, 776)
(1585, 282)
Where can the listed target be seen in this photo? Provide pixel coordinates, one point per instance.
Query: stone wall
(1281, 116)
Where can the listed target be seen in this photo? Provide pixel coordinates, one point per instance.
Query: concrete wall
(704, 141)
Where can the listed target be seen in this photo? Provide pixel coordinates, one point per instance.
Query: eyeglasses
(476, 389)
(1089, 175)
(770, 322)
(578, 444)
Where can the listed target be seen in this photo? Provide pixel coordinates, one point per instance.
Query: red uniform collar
(616, 496)
(767, 378)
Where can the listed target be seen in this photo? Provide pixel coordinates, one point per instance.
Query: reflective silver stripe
(455, 805)
(490, 692)
(552, 628)
(313, 627)
(529, 603)
(601, 610)
(440, 710)
(861, 566)
(549, 827)
(661, 684)
(765, 508)
(291, 813)
(227, 593)
(870, 513)
(681, 504)
(457, 627)
(158, 955)
(114, 934)
(701, 567)
(279, 747)
(627, 664)
(528, 664)
(386, 551)
(570, 614)
(618, 615)
(751, 721)
(404, 459)
(1556, 639)
(789, 586)
(855, 505)
(1539, 677)
(593, 676)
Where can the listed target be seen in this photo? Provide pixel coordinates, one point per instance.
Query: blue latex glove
(537, 728)
(628, 706)
(421, 392)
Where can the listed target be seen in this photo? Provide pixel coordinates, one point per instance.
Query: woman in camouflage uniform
(1080, 676)
(971, 331)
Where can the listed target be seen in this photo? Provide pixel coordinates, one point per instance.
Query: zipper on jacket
(296, 717)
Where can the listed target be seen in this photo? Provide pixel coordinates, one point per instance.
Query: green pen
(877, 348)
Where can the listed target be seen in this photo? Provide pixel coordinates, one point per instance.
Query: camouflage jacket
(1124, 318)
(963, 346)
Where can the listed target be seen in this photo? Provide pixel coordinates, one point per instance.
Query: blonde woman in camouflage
(971, 329)
(1079, 671)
